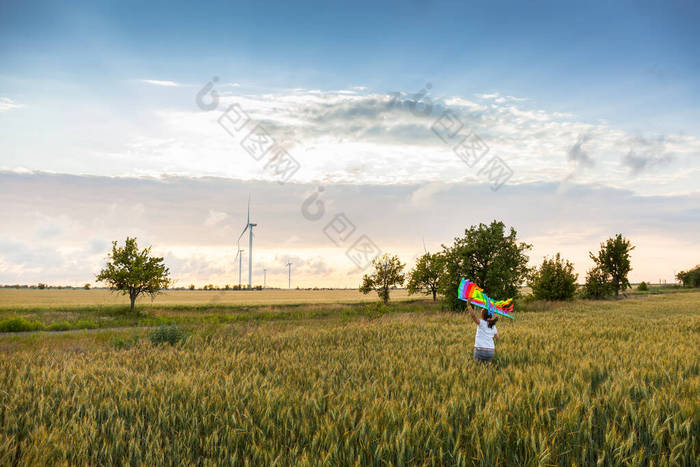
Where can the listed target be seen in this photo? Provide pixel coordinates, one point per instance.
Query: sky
(355, 128)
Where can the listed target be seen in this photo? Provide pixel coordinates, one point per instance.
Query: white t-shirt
(484, 335)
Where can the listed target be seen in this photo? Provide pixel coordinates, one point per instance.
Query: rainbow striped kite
(470, 292)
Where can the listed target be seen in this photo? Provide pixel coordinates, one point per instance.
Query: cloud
(646, 154)
(171, 216)
(156, 82)
(369, 138)
(578, 155)
(8, 104)
(499, 99)
(640, 162)
(214, 218)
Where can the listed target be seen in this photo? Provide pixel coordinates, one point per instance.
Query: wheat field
(61, 298)
(580, 383)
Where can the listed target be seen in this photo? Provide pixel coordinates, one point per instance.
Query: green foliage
(489, 256)
(643, 286)
(613, 260)
(134, 272)
(20, 325)
(598, 284)
(690, 278)
(555, 279)
(124, 343)
(24, 325)
(425, 276)
(71, 325)
(387, 274)
(167, 334)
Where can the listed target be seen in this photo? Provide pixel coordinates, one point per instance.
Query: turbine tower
(289, 265)
(249, 227)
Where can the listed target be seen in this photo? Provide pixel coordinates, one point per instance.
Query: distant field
(17, 298)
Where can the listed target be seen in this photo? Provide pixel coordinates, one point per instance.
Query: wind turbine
(289, 265)
(264, 278)
(249, 228)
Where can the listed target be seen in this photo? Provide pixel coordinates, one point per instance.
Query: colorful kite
(470, 292)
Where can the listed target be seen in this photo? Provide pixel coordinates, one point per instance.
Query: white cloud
(8, 104)
(361, 138)
(157, 82)
(344, 138)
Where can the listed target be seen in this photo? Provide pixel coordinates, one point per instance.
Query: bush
(643, 287)
(555, 279)
(20, 325)
(598, 284)
(167, 334)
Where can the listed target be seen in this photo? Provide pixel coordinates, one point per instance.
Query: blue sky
(632, 63)
(576, 98)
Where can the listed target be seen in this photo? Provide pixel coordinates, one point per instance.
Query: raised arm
(472, 312)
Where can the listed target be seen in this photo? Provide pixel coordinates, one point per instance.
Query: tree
(555, 279)
(643, 286)
(690, 278)
(425, 276)
(134, 272)
(489, 256)
(387, 274)
(614, 260)
(87, 286)
(598, 284)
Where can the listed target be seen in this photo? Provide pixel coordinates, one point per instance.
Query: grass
(46, 319)
(613, 382)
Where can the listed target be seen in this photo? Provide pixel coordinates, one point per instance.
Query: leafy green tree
(690, 278)
(643, 286)
(134, 272)
(555, 279)
(614, 260)
(387, 274)
(425, 276)
(489, 255)
(598, 284)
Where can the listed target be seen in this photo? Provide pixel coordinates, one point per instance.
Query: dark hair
(485, 317)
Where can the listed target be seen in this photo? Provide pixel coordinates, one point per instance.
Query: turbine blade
(241, 235)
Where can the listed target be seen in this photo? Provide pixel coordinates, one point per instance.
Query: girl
(486, 332)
